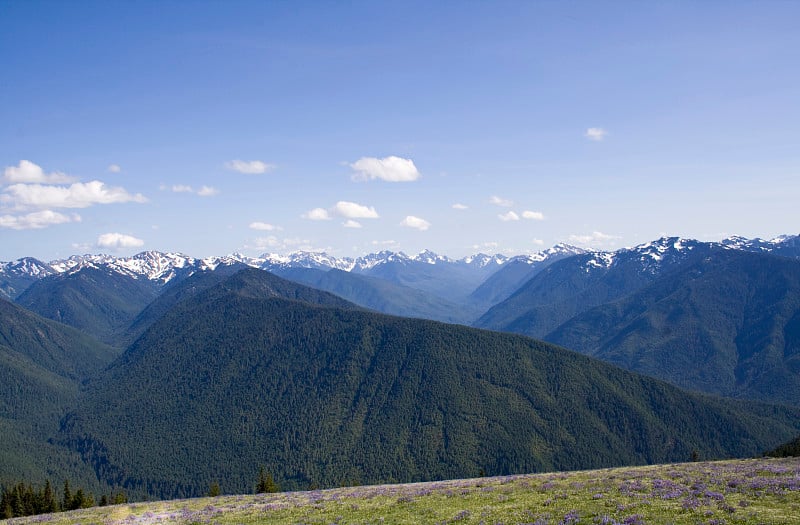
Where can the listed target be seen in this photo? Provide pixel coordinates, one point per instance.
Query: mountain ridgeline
(325, 393)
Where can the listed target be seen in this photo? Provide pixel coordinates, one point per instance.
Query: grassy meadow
(751, 491)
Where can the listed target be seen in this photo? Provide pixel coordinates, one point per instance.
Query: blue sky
(350, 127)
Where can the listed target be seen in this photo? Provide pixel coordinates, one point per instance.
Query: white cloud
(249, 167)
(114, 168)
(416, 223)
(593, 239)
(118, 240)
(204, 191)
(459, 206)
(207, 191)
(274, 244)
(499, 201)
(29, 173)
(352, 210)
(538, 242)
(533, 215)
(263, 226)
(78, 195)
(317, 214)
(392, 169)
(595, 134)
(510, 216)
(36, 220)
(344, 209)
(350, 223)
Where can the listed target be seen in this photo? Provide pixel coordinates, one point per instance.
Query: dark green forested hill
(728, 324)
(97, 301)
(41, 366)
(236, 378)
(175, 292)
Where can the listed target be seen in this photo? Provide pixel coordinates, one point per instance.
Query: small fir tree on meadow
(214, 490)
(66, 501)
(266, 483)
(49, 503)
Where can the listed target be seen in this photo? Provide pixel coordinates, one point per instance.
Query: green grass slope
(238, 378)
(741, 492)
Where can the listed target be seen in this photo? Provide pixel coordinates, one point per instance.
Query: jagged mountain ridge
(163, 267)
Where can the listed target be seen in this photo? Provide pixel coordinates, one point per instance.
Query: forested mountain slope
(728, 324)
(98, 301)
(41, 366)
(238, 377)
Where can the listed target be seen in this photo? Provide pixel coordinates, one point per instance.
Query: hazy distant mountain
(240, 376)
(516, 271)
(573, 285)
(383, 296)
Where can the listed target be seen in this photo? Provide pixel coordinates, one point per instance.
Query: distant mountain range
(161, 267)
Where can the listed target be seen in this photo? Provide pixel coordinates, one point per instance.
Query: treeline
(24, 499)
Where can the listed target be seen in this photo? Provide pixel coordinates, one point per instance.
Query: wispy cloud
(116, 241)
(207, 191)
(36, 220)
(27, 172)
(204, 191)
(114, 168)
(499, 201)
(274, 244)
(533, 215)
(510, 216)
(317, 214)
(459, 206)
(595, 134)
(249, 167)
(415, 222)
(391, 169)
(263, 226)
(593, 239)
(350, 223)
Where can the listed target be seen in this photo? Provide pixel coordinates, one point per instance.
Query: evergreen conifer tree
(66, 502)
(266, 483)
(48, 498)
(214, 490)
